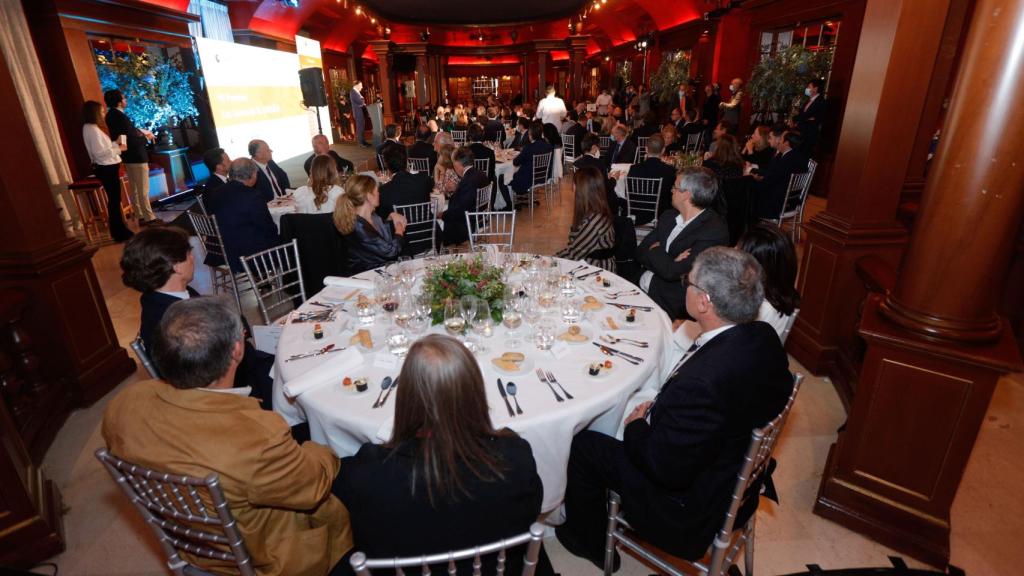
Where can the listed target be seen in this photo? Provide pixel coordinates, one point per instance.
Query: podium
(376, 113)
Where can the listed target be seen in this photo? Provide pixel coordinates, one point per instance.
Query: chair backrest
(693, 141)
(491, 228)
(483, 165)
(418, 164)
(483, 198)
(420, 227)
(213, 243)
(459, 137)
(643, 196)
(362, 565)
(201, 204)
(276, 275)
(187, 514)
(755, 462)
(789, 326)
(380, 162)
(541, 169)
(796, 193)
(603, 142)
(641, 149)
(322, 249)
(140, 351)
(569, 148)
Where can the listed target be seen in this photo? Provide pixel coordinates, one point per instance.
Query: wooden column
(936, 346)
(577, 53)
(386, 85)
(901, 47)
(542, 74)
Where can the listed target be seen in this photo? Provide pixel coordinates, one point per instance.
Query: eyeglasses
(687, 283)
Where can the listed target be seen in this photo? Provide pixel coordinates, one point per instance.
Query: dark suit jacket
(154, 305)
(682, 465)
(339, 162)
(645, 131)
(655, 168)
(390, 519)
(493, 130)
(519, 140)
(480, 152)
(771, 192)
(620, 153)
(263, 185)
(244, 221)
(403, 188)
(709, 111)
(523, 177)
(118, 123)
(385, 145)
(424, 150)
(689, 128)
(463, 200)
(212, 183)
(809, 121)
(577, 131)
(706, 230)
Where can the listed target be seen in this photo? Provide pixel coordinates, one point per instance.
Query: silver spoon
(615, 340)
(384, 385)
(511, 389)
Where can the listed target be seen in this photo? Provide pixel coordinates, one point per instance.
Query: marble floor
(106, 537)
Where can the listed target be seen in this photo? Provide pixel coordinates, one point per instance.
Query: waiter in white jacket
(551, 108)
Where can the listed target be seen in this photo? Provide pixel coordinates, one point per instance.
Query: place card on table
(560, 350)
(265, 337)
(386, 360)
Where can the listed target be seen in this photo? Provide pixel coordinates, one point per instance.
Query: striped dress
(594, 233)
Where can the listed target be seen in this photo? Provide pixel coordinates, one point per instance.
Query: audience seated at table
(422, 148)
(682, 233)
(321, 192)
(676, 120)
(590, 148)
(242, 215)
(758, 149)
(689, 125)
(371, 241)
(770, 192)
(475, 138)
(159, 263)
(271, 180)
(522, 180)
(322, 147)
(446, 479)
(654, 167)
(725, 161)
(404, 186)
(676, 466)
(218, 163)
(521, 137)
(774, 251)
(464, 198)
(445, 179)
(670, 136)
(620, 149)
(392, 137)
(592, 235)
(723, 127)
(493, 128)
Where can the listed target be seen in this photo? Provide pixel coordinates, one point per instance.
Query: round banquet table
(344, 419)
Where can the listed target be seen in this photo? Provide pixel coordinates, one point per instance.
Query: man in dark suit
(681, 235)
(809, 120)
(392, 137)
(463, 199)
(522, 180)
(521, 137)
(620, 150)
(676, 120)
(770, 191)
(475, 136)
(590, 148)
(404, 186)
(271, 180)
(422, 148)
(676, 466)
(690, 124)
(709, 110)
(355, 98)
(242, 215)
(218, 163)
(655, 167)
(577, 131)
(493, 129)
(322, 147)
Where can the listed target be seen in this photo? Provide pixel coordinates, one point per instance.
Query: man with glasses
(682, 233)
(676, 466)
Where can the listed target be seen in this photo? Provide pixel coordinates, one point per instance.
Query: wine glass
(483, 323)
(386, 296)
(419, 323)
(468, 305)
(454, 323)
(512, 319)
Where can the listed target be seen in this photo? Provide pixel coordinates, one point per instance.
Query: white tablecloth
(345, 420)
(280, 207)
(620, 183)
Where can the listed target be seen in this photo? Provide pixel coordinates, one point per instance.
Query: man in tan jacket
(193, 422)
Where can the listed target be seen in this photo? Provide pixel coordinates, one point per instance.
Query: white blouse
(305, 201)
(102, 150)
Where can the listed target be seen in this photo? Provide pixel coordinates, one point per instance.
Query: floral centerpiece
(685, 159)
(464, 277)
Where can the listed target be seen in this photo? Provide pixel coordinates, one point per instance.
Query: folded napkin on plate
(348, 282)
(333, 370)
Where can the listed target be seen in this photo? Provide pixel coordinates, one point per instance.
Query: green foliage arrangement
(673, 71)
(464, 277)
(157, 88)
(685, 159)
(777, 83)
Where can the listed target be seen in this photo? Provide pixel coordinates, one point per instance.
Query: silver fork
(540, 375)
(551, 377)
(621, 294)
(615, 340)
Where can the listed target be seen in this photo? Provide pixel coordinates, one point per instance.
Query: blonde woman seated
(592, 236)
(321, 193)
(445, 178)
(370, 241)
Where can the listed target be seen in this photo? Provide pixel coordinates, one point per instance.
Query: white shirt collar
(706, 337)
(243, 391)
(683, 223)
(262, 166)
(223, 179)
(179, 295)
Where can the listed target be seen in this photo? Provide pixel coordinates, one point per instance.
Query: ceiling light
(373, 20)
(359, 10)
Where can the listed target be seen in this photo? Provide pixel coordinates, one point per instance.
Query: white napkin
(333, 370)
(384, 432)
(348, 282)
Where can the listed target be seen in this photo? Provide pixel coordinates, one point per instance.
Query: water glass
(567, 284)
(398, 341)
(365, 312)
(483, 321)
(544, 335)
(570, 308)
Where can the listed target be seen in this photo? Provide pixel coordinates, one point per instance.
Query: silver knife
(501, 390)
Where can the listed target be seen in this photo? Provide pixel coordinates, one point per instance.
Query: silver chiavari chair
(603, 143)
(641, 149)
(541, 173)
(730, 538)
(483, 198)
(491, 228)
(276, 274)
(418, 165)
(459, 137)
(483, 165)
(363, 566)
(693, 142)
(420, 229)
(642, 198)
(187, 514)
(140, 351)
(209, 235)
(793, 204)
(568, 149)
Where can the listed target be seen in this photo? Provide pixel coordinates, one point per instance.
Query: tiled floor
(106, 537)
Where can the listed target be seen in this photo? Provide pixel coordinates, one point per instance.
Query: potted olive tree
(777, 83)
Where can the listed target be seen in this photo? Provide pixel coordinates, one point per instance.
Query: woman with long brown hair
(105, 155)
(592, 235)
(321, 193)
(371, 243)
(446, 479)
(726, 161)
(445, 178)
(758, 151)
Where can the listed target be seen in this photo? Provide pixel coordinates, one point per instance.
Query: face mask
(807, 92)
(732, 88)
